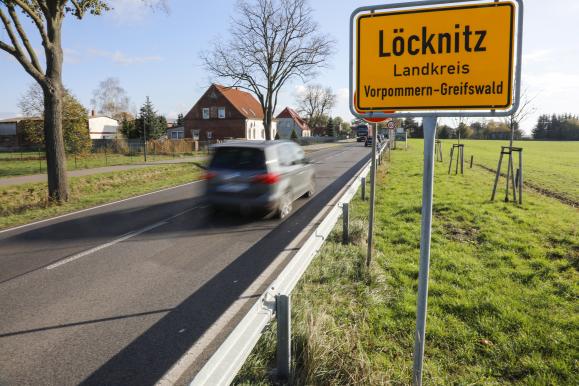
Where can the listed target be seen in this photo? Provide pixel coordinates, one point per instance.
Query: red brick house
(225, 113)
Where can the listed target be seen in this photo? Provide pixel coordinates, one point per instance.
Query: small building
(289, 120)
(226, 113)
(12, 133)
(102, 127)
(176, 132)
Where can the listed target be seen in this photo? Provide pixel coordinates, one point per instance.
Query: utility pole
(145, 133)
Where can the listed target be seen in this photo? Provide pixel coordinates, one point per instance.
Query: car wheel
(285, 206)
(311, 190)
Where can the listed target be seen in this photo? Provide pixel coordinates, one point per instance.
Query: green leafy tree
(180, 120)
(444, 132)
(330, 132)
(478, 130)
(413, 128)
(154, 124)
(294, 136)
(463, 130)
(561, 127)
(128, 128)
(74, 120)
(345, 128)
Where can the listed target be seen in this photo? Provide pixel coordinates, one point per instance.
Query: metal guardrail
(226, 362)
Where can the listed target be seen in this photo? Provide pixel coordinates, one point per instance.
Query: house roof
(243, 101)
(288, 112)
(18, 119)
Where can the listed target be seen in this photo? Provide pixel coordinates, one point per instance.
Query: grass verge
(11, 165)
(21, 204)
(502, 302)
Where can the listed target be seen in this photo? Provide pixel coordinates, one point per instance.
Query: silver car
(266, 175)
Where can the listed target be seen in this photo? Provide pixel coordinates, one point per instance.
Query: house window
(221, 113)
(205, 113)
(263, 134)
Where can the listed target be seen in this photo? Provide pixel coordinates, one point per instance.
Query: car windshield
(238, 158)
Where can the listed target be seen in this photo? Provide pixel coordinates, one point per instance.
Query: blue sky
(157, 54)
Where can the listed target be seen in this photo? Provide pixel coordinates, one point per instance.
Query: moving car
(258, 175)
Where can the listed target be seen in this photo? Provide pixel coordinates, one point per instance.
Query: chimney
(92, 113)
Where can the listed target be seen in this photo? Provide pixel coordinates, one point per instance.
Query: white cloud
(541, 55)
(122, 58)
(72, 56)
(135, 11)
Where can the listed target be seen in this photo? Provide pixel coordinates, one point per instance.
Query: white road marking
(97, 207)
(103, 246)
(120, 239)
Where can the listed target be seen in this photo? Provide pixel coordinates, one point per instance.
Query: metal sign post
(429, 125)
(372, 195)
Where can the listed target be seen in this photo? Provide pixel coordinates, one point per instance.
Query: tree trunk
(268, 124)
(53, 95)
(54, 146)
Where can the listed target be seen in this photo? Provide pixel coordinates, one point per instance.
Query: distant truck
(361, 132)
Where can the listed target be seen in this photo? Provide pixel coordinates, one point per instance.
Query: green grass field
(503, 288)
(553, 166)
(19, 164)
(21, 204)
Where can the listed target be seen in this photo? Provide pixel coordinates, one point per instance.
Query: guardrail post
(363, 185)
(346, 223)
(283, 311)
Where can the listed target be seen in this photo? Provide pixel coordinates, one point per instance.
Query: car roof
(250, 144)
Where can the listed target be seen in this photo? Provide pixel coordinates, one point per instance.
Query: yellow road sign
(445, 58)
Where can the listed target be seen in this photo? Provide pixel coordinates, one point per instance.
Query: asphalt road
(118, 294)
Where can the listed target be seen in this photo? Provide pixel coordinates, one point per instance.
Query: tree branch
(79, 10)
(16, 50)
(35, 18)
(24, 38)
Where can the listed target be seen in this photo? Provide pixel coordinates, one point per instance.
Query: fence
(104, 152)
(223, 366)
(31, 159)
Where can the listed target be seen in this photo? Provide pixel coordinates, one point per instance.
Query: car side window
(298, 153)
(284, 154)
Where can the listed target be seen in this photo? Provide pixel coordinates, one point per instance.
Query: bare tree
(110, 98)
(272, 42)
(31, 103)
(315, 102)
(526, 108)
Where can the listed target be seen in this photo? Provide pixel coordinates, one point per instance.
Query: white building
(102, 127)
(289, 121)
